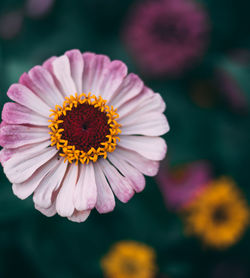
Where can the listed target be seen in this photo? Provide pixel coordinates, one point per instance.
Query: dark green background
(32, 245)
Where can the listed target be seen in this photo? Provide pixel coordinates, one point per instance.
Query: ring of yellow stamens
(69, 152)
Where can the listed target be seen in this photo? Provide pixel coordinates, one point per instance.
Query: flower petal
(150, 147)
(24, 151)
(144, 165)
(40, 81)
(51, 211)
(14, 113)
(129, 88)
(26, 188)
(105, 198)
(26, 97)
(79, 216)
(50, 183)
(135, 177)
(61, 71)
(19, 168)
(153, 124)
(12, 136)
(64, 200)
(76, 67)
(116, 72)
(95, 67)
(85, 192)
(120, 185)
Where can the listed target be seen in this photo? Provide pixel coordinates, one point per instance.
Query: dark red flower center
(84, 127)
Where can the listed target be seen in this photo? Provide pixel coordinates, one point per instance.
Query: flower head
(166, 36)
(219, 216)
(180, 185)
(129, 259)
(81, 129)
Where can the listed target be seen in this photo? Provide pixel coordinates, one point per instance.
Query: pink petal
(50, 183)
(120, 185)
(12, 136)
(14, 113)
(40, 81)
(150, 147)
(25, 189)
(151, 124)
(116, 72)
(62, 73)
(24, 151)
(64, 200)
(144, 165)
(105, 198)
(85, 192)
(19, 168)
(135, 177)
(79, 216)
(51, 211)
(76, 67)
(129, 88)
(95, 67)
(26, 97)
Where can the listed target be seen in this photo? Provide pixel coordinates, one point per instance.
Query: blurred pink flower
(180, 185)
(10, 24)
(38, 8)
(166, 36)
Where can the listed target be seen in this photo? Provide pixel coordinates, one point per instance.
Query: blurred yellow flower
(129, 259)
(219, 216)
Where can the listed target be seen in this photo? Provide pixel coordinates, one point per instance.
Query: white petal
(25, 189)
(105, 198)
(40, 81)
(144, 165)
(50, 211)
(19, 168)
(64, 200)
(61, 70)
(135, 177)
(151, 124)
(130, 87)
(50, 183)
(14, 113)
(12, 136)
(150, 147)
(79, 216)
(24, 151)
(26, 97)
(120, 185)
(76, 67)
(95, 67)
(85, 192)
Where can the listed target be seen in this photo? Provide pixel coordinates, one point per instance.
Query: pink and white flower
(81, 130)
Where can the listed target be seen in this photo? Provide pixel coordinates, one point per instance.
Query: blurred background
(196, 54)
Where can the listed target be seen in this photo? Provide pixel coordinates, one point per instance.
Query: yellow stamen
(70, 153)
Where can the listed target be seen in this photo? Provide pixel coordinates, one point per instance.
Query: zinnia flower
(129, 259)
(219, 216)
(81, 129)
(180, 185)
(166, 36)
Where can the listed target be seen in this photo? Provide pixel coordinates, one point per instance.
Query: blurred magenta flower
(10, 24)
(68, 116)
(181, 185)
(165, 37)
(38, 8)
